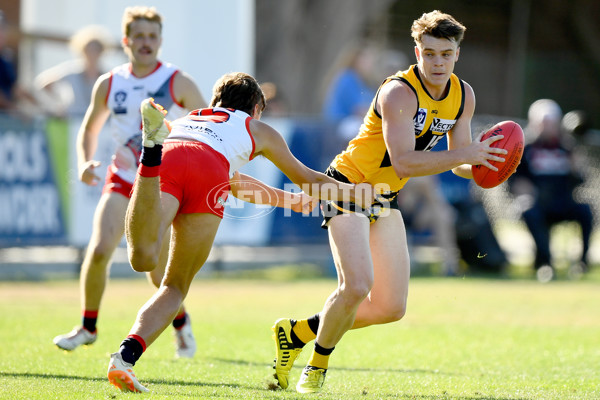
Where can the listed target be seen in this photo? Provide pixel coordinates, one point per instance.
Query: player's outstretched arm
(87, 137)
(252, 190)
(271, 144)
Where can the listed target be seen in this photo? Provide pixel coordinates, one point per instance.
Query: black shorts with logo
(382, 204)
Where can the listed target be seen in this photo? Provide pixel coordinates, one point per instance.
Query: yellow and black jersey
(366, 158)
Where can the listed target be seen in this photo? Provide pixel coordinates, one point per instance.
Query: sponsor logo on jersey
(441, 125)
(120, 98)
(420, 120)
(202, 130)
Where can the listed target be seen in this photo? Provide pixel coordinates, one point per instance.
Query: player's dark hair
(239, 91)
(438, 25)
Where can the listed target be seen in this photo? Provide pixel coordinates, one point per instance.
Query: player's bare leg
(106, 234)
(349, 240)
(372, 258)
(149, 215)
(389, 250)
(147, 221)
(193, 237)
(185, 342)
(155, 276)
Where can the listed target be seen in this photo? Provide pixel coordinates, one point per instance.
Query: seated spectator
(462, 226)
(544, 185)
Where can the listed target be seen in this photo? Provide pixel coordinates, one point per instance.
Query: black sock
(179, 322)
(89, 324)
(88, 320)
(322, 350)
(151, 156)
(313, 323)
(295, 341)
(131, 350)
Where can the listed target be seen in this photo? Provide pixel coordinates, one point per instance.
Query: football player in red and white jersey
(118, 94)
(183, 183)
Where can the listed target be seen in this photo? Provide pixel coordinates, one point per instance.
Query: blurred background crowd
(532, 61)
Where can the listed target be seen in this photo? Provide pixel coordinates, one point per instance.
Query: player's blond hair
(438, 25)
(136, 13)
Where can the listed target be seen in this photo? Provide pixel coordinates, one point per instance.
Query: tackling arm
(250, 189)
(271, 144)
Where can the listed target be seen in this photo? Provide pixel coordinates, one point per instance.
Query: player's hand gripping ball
(513, 142)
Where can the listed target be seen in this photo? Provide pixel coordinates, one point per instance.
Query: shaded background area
(514, 52)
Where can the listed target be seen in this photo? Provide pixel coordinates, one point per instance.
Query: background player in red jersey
(185, 187)
(118, 94)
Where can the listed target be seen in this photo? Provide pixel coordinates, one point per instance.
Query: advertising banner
(31, 208)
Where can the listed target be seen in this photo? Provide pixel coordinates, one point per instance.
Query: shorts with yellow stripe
(383, 203)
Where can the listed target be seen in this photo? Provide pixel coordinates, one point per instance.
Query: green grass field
(461, 339)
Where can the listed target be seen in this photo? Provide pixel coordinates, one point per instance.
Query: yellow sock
(318, 360)
(303, 331)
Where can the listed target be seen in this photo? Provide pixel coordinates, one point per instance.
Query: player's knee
(156, 280)
(142, 260)
(395, 313)
(356, 292)
(179, 284)
(388, 313)
(101, 254)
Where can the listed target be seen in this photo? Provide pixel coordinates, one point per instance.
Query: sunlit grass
(462, 338)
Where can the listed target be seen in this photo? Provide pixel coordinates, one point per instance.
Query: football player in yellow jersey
(410, 111)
